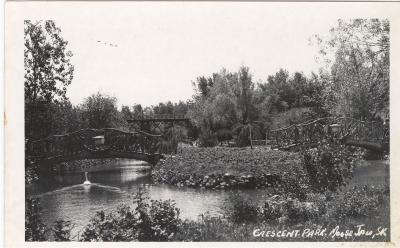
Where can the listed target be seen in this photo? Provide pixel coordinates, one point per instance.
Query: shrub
(288, 209)
(295, 187)
(207, 228)
(242, 133)
(62, 230)
(158, 221)
(298, 211)
(35, 230)
(328, 166)
(265, 166)
(31, 171)
(117, 226)
(207, 138)
(272, 210)
(241, 210)
(359, 201)
(165, 219)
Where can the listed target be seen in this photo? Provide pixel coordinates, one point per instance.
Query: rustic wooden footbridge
(374, 136)
(94, 144)
(101, 143)
(140, 145)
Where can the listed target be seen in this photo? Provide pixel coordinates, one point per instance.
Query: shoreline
(228, 168)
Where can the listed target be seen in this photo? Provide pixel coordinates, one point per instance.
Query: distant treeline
(226, 106)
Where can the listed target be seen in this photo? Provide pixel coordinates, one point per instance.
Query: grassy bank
(222, 167)
(357, 214)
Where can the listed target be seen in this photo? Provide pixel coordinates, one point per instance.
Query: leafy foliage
(357, 56)
(286, 209)
(48, 70)
(35, 230)
(157, 221)
(194, 164)
(100, 111)
(241, 210)
(328, 166)
(206, 228)
(62, 230)
(227, 103)
(358, 201)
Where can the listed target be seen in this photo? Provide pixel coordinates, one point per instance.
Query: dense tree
(233, 107)
(245, 99)
(100, 111)
(48, 72)
(226, 105)
(226, 108)
(357, 53)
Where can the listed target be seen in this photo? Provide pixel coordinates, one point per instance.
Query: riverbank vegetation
(225, 168)
(360, 207)
(327, 167)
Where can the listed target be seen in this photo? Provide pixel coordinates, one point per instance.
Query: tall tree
(100, 111)
(246, 88)
(48, 72)
(358, 52)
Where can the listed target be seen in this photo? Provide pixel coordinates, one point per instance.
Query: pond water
(65, 196)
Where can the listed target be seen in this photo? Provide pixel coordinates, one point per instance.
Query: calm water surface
(65, 197)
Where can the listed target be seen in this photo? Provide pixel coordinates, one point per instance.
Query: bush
(272, 209)
(265, 167)
(165, 219)
(356, 202)
(62, 230)
(158, 221)
(35, 230)
(207, 228)
(207, 138)
(295, 187)
(288, 210)
(359, 201)
(118, 226)
(242, 210)
(328, 166)
(31, 171)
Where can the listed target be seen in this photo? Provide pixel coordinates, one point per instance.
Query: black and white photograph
(204, 122)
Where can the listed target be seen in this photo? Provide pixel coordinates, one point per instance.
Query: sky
(158, 51)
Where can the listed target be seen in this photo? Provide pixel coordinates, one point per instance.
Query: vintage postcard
(164, 122)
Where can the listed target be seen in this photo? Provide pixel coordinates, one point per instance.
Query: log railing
(94, 140)
(342, 128)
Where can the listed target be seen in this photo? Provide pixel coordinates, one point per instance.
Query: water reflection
(65, 197)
